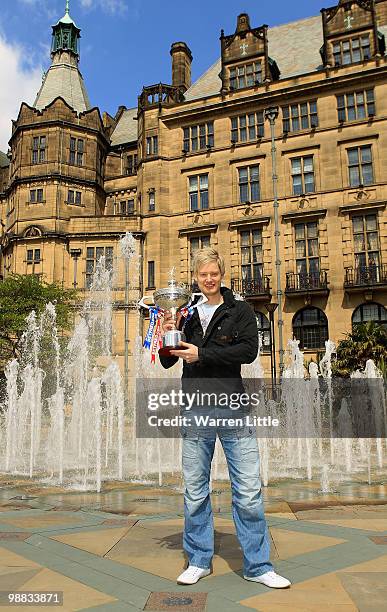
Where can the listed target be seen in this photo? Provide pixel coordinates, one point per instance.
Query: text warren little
(207, 421)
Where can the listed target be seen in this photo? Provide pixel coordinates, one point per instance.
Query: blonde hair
(205, 256)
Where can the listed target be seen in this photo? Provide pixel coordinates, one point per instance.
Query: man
(221, 335)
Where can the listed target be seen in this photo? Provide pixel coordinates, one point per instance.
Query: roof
(126, 128)
(4, 161)
(66, 19)
(65, 80)
(294, 46)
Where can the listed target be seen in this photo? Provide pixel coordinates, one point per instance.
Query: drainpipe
(271, 115)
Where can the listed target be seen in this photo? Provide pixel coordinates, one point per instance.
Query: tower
(58, 148)
(63, 77)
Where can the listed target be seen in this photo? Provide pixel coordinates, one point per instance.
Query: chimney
(181, 65)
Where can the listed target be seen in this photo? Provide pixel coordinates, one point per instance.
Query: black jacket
(230, 340)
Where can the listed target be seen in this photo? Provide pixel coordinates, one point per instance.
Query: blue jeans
(242, 457)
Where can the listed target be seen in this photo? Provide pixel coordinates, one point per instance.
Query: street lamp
(271, 114)
(75, 254)
(271, 307)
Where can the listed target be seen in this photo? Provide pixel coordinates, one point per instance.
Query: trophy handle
(142, 302)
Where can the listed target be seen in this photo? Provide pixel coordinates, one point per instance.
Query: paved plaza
(120, 550)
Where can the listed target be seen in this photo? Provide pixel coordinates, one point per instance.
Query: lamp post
(75, 254)
(271, 114)
(271, 307)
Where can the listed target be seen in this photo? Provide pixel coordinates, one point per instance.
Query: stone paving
(121, 549)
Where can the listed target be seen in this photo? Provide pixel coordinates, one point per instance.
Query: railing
(160, 94)
(304, 281)
(251, 288)
(366, 275)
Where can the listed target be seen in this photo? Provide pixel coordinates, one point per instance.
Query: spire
(63, 77)
(66, 17)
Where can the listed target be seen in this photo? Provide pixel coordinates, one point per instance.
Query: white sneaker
(270, 579)
(192, 574)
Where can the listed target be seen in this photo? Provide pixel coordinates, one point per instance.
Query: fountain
(66, 420)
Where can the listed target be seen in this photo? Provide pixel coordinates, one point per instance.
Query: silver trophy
(172, 299)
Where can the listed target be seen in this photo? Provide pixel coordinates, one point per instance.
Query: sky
(124, 43)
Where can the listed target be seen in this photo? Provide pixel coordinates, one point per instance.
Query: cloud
(20, 82)
(113, 7)
(42, 7)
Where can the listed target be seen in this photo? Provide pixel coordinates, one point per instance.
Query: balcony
(366, 277)
(254, 289)
(160, 95)
(304, 283)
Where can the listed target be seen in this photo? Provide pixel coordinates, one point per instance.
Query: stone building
(193, 164)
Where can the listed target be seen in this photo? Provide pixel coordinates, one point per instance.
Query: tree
(366, 341)
(19, 295)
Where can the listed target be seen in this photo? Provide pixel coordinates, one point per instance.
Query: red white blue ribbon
(154, 314)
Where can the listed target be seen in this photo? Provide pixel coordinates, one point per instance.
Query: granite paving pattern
(121, 549)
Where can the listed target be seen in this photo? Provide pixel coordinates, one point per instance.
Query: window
(303, 175)
(358, 105)
(370, 312)
(152, 145)
(251, 255)
(198, 192)
(93, 255)
(151, 274)
(248, 182)
(74, 197)
(247, 127)
(246, 75)
(298, 117)
(125, 207)
(360, 166)
(366, 242)
(100, 160)
(307, 251)
(38, 149)
(131, 164)
(152, 201)
(198, 137)
(33, 256)
(351, 50)
(263, 324)
(76, 151)
(310, 327)
(36, 195)
(196, 244)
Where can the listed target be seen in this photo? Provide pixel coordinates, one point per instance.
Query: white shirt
(206, 312)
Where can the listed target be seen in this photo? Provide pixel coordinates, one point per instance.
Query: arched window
(264, 329)
(310, 327)
(371, 311)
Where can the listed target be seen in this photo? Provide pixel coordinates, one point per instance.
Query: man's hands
(189, 354)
